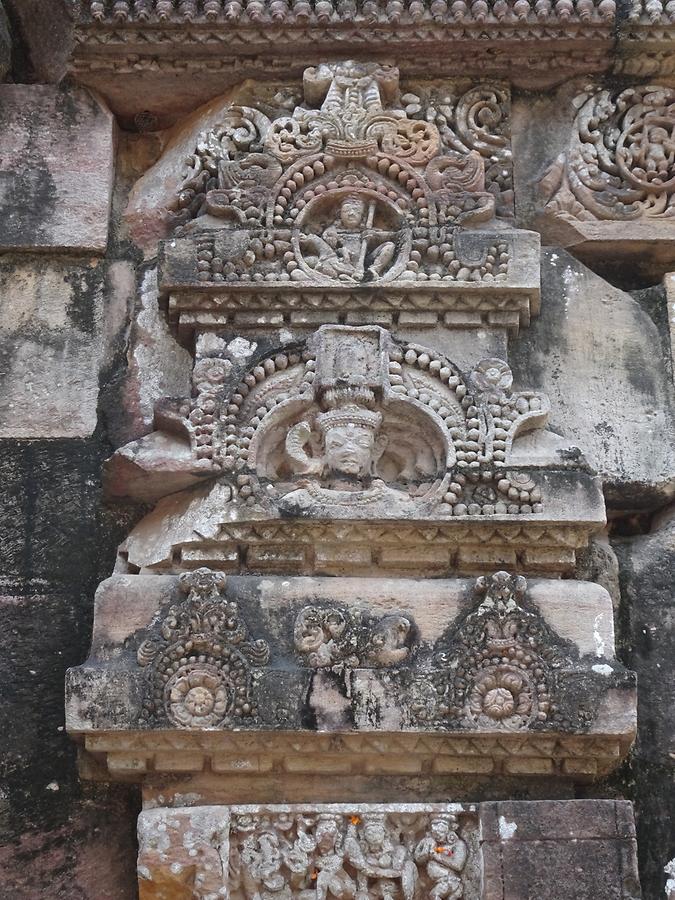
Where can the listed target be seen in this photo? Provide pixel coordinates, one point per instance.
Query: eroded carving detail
(501, 661)
(201, 662)
(620, 164)
(366, 421)
(357, 855)
(517, 15)
(331, 637)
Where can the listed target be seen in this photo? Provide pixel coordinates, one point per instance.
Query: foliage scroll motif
(358, 185)
(620, 164)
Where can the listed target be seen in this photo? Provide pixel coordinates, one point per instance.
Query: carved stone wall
(337, 421)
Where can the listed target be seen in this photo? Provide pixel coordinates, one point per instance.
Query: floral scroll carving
(620, 164)
(201, 663)
(356, 186)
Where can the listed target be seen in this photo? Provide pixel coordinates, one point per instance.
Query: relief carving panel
(620, 164)
(359, 186)
(202, 667)
(398, 851)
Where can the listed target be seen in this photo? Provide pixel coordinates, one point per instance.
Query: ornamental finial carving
(500, 663)
(357, 185)
(200, 661)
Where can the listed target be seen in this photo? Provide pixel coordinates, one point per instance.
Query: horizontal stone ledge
(266, 759)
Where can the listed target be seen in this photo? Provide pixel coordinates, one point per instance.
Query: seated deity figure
(384, 867)
(445, 854)
(349, 247)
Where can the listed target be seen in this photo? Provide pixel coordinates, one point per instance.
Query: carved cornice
(471, 675)
(145, 13)
(550, 37)
(139, 756)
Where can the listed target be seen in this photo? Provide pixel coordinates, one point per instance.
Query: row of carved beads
(324, 11)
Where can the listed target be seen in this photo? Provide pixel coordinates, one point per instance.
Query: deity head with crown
(349, 433)
(344, 439)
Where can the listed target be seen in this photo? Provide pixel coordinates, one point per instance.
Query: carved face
(374, 834)
(350, 449)
(326, 835)
(351, 212)
(440, 829)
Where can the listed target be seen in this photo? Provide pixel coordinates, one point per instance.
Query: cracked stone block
(371, 661)
(57, 149)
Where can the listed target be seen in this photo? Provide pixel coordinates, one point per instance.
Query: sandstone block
(588, 185)
(552, 850)
(57, 149)
(594, 351)
(343, 675)
(5, 44)
(534, 849)
(58, 320)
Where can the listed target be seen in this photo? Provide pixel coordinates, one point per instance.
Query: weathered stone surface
(549, 849)
(56, 834)
(58, 323)
(646, 572)
(594, 343)
(132, 53)
(43, 42)
(366, 658)
(157, 366)
(57, 150)
(352, 426)
(492, 850)
(5, 44)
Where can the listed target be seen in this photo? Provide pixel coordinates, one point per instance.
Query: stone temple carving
(357, 424)
(349, 425)
(620, 164)
(358, 186)
(334, 637)
(501, 659)
(286, 206)
(391, 855)
(201, 664)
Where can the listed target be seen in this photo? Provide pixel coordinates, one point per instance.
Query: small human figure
(660, 151)
(349, 246)
(383, 865)
(444, 853)
(261, 861)
(331, 878)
